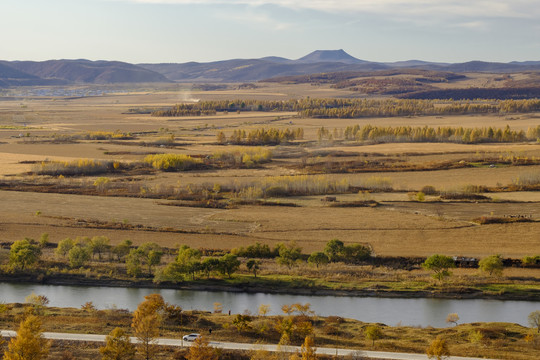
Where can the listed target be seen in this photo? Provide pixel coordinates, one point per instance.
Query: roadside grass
(493, 340)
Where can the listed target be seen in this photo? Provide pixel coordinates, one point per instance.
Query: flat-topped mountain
(330, 56)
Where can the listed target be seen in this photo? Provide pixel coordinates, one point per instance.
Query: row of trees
(262, 136)
(440, 265)
(430, 134)
(357, 108)
(211, 107)
(189, 262)
(360, 108)
(236, 157)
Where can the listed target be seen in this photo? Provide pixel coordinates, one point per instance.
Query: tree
(201, 350)
(534, 320)
(492, 264)
(221, 138)
(264, 309)
(438, 349)
(146, 322)
(29, 343)
(38, 302)
(228, 264)
(152, 254)
(209, 264)
(439, 264)
(288, 254)
(117, 346)
(318, 258)
(253, 266)
(122, 250)
(373, 332)
(99, 245)
(146, 330)
(307, 350)
(23, 253)
(188, 260)
(44, 240)
(356, 252)
(133, 263)
(64, 246)
(452, 318)
(334, 250)
(78, 256)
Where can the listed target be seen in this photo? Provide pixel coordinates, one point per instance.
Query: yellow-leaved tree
(29, 343)
(201, 350)
(117, 346)
(146, 322)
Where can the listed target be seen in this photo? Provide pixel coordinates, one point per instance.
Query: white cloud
(259, 19)
(400, 8)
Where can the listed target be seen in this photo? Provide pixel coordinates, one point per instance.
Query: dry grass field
(398, 226)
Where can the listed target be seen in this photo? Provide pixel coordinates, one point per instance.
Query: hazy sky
(207, 30)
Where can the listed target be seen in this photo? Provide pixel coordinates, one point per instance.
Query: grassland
(400, 226)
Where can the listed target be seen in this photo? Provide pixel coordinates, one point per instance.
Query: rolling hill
(77, 71)
(52, 72)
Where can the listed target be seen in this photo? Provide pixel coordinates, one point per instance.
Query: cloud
(399, 8)
(259, 19)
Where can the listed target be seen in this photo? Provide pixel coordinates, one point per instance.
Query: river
(390, 311)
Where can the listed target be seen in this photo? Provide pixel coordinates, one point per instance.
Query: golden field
(398, 226)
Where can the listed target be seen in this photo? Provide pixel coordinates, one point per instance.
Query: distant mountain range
(57, 72)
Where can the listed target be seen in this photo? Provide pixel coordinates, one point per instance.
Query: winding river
(390, 311)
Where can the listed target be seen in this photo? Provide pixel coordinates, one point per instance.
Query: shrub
(531, 260)
(429, 190)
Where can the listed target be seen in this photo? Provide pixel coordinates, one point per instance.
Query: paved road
(243, 346)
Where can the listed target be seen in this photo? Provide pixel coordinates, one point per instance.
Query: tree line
(431, 134)
(262, 136)
(358, 108)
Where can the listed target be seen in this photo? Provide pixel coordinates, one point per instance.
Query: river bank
(500, 340)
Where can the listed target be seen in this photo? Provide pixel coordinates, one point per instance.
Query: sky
(162, 31)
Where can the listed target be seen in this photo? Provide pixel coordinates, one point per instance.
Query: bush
(429, 190)
(256, 250)
(531, 260)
